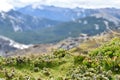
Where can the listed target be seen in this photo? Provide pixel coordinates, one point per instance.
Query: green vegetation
(41, 34)
(102, 63)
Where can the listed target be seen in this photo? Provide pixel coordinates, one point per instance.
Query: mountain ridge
(66, 14)
(31, 29)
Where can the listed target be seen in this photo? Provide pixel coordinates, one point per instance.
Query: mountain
(20, 22)
(50, 24)
(73, 44)
(30, 34)
(92, 25)
(90, 52)
(18, 26)
(111, 11)
(64, 14)
(8, 45)
(55, 13)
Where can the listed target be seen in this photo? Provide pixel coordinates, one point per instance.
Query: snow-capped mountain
(108, 17)
(21, 22)
(46, 24)
(92, 25)
(64, 14)
(55, 13)
(8, 45)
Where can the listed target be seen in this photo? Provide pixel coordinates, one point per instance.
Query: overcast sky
(9, 4)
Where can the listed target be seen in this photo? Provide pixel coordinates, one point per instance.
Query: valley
(31, 28)
(43, 42)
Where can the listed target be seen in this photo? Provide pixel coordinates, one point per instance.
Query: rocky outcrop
(7, 45)
(72, 42)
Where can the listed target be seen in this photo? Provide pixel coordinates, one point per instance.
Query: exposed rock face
(72, 42)
(7, 45)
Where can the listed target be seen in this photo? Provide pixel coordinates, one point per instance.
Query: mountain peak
(108, 17)
(37, 6)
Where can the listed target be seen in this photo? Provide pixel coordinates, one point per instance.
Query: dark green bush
(79, 59)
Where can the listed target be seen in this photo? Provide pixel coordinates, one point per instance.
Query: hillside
(52, 24)
(59, 40)
(90, 25)
(100, 63)
(82, 43)
(7, 45)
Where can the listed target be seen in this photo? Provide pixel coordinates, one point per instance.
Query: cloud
(4, 6)
(8, 4)
(87, 3)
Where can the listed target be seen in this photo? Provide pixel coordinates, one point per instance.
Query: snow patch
(107, 25)
(3, 15)
(85, 22)
(14, 44)
(49, 25)
(97, 26)
(15, 27)
(108, 17)
(73, 19)
(37, 6)
(79, 21)
(17, 45)
(69, 33)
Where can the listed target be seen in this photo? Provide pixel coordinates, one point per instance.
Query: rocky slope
(83, 43)
(16, 21)
(7, 45)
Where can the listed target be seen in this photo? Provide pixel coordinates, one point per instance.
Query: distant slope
(28, 29)
(18, 26)
(90, 25)
(55, 13)
(16, 21)
(64, 14)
